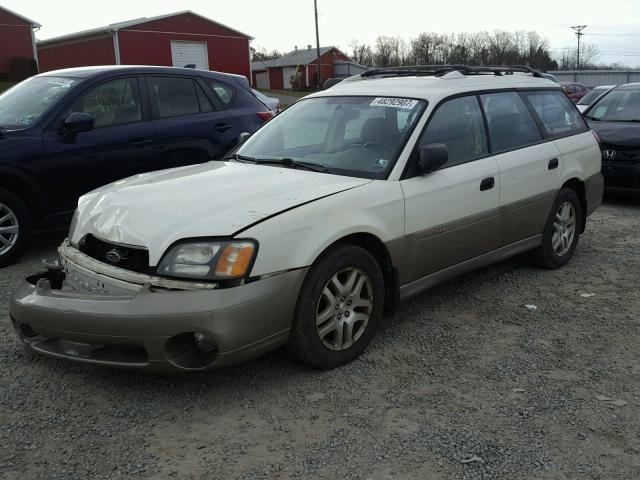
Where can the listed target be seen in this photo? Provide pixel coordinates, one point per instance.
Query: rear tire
(339, 307)
(561, 232)
(16, 227)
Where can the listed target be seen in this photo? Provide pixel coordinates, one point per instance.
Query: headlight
(214, 260)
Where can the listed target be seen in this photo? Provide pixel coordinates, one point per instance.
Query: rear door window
(510, 124)
(178, 96)
(555, 112)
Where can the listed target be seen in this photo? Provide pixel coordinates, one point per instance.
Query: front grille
(131, 258)
(623, 154)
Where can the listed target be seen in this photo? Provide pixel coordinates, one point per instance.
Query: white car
(271, 103)
(592, 95)
(346, 203)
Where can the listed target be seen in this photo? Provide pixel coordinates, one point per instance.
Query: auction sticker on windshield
(394, 102)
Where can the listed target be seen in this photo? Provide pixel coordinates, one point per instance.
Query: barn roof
(11, 12)
(114, 27)
(291, 59)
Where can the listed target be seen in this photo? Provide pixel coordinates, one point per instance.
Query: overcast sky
(613, 25)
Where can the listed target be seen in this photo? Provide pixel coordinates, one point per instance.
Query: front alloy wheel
(9, 229)
(339, 307)
(344, 308)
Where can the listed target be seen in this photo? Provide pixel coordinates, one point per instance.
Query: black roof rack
(439, 70)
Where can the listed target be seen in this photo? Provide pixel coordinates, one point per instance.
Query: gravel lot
(464, 382)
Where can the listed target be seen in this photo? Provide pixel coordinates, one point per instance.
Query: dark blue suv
(66, 132)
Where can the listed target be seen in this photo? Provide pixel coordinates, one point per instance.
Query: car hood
(618, 133)
(154, 210)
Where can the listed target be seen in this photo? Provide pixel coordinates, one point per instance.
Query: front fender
(296, 238)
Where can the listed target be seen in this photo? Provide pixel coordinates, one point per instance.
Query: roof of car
(432, 87)
(86, 72)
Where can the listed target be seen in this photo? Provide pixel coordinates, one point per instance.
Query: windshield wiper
(291, 163)
(592, 118)
(241, 158)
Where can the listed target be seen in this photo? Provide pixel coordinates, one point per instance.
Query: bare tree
(263, 54)
(567, 59)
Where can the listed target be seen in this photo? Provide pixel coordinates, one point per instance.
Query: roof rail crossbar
(439, 70)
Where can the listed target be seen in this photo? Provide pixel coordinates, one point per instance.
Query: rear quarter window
(224, 92)
(555, 113)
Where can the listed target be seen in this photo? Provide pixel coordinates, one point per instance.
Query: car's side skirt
(424, 283)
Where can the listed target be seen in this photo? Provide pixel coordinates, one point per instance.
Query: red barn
(177, 39)
(18, 57)
(296, 69)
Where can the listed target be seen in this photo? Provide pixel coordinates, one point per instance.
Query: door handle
(140, 142)
(487, 183)
(553, 164)
(221, 127)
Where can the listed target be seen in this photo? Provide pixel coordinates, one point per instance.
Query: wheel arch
(578, 186)
(378, 250)
(23, 186)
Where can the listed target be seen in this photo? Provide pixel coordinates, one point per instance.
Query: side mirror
(432, 157)
(79, 122)
(242, 137)
(75, 123)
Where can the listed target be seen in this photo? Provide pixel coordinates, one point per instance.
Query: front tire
(561, 232)
(339, 307)
(15, 227)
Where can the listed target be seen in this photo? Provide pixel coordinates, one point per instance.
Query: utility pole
(578, 29)
(315, 7)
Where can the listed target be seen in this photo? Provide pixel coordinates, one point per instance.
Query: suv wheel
(15, 226)
(561, 233)
(339, 307)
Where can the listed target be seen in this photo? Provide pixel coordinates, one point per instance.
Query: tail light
(265, 116)
(596, 137)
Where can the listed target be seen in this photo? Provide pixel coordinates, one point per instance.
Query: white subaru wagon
(349, 201)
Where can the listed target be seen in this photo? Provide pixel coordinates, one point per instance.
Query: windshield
(22, 105)
(619, 105)
(357, 136)
(591, 96)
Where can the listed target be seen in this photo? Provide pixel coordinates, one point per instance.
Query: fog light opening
(205, 342)
(192, 350)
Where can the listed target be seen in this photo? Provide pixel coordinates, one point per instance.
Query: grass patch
(5, 85)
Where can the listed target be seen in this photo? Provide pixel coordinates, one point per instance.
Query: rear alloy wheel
(561, 233)
(564, 229)
(15, 226)
(339, 307)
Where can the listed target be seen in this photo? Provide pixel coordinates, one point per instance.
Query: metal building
(18, 58)
(595, 78)
(177, 39)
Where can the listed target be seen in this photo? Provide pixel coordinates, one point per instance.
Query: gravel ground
(464, 382)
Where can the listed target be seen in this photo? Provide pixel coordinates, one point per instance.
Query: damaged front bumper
(94, 313)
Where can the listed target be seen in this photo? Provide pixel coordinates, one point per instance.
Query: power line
(578, 29)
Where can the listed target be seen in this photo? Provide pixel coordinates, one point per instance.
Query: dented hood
(214, 199)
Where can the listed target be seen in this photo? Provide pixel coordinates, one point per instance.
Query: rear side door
(452, 214)
(527, 162)
(118, 146)
(191, 125)
(562, 124)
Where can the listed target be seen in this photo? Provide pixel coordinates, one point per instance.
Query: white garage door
(262, 80)
(287, 73)
(189, 53)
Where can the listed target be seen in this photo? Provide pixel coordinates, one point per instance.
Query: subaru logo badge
(609, 154)
(114, 255)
